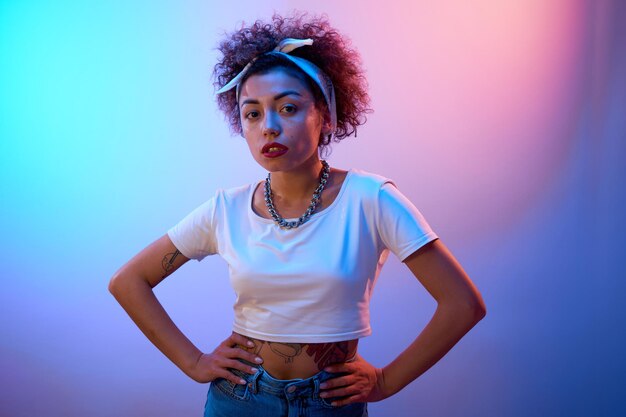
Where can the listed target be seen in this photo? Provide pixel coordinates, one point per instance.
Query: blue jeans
(265, 396)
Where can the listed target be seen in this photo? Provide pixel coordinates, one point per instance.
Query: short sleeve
(401, 226)
(194, 236)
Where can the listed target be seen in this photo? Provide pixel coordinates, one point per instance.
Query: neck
(297, 185)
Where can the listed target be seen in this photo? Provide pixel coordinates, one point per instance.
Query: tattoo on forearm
(168, 262)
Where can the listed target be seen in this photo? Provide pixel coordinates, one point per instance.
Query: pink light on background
(503, 121)
(472, 91)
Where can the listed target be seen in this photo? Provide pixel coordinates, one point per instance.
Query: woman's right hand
(211, 366)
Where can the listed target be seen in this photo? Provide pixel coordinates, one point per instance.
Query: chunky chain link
(316, 198)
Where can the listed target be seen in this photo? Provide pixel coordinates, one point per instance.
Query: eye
(253, 114)
(288, 108)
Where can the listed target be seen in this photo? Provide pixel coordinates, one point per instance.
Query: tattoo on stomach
(323, 354)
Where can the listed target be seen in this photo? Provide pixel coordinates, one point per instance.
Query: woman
(304, 247)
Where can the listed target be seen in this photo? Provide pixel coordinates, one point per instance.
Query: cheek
(252, 148)
(313, 123)
(248, 132)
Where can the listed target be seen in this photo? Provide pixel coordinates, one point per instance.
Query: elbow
(473, 313)
(113, 283)
(122, 283)
(479, 309)
(116, 283)
(475, 304)
(480, 312)
(472, 310)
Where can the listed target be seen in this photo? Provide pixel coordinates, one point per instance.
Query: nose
(271, 126)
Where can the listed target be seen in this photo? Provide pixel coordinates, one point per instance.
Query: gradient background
(503, 121)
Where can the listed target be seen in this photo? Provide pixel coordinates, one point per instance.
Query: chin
(271, 165)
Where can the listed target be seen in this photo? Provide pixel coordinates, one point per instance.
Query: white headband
(321, 79)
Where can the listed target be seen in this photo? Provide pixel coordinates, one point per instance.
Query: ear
(326, 126)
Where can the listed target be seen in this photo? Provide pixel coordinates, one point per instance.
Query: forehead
(272, 83)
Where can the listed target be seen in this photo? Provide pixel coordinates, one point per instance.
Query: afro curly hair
(330, 51)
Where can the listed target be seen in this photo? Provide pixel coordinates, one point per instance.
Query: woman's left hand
(362, 382)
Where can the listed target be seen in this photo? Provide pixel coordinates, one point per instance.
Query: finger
(247, 356)
(220, 360)
(225, 374)
(224, 369)
(340, 392)
(236, 339)
(235, 364)
(237, 352)
(241, 352)
(243, 343)
(346, 367)
(346, 400)
(340, 381)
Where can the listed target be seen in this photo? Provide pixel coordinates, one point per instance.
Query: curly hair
(330, 51)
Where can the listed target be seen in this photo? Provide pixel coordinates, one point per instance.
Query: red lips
(268, 146)
(277, 149)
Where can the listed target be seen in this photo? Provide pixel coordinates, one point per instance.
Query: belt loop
(316, 386)
(253, 385)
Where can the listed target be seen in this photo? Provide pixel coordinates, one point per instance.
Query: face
(278, 108)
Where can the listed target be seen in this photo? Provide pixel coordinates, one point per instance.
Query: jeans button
(291, 389)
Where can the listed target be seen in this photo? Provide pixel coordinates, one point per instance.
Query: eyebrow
(276, 97)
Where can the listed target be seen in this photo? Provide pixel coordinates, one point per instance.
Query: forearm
(447, 326)
(138, 299)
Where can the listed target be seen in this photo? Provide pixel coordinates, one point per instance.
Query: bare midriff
(301, 360)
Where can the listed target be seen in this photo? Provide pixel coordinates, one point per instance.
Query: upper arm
(443, 277)
(153, 264)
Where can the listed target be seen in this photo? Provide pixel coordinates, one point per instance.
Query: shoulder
(225, 198)
(367, 188)
(368, 181)
(233, 194)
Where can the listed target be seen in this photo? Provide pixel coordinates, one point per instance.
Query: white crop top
(311, 284)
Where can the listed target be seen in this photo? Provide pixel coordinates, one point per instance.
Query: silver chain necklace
(316, 197)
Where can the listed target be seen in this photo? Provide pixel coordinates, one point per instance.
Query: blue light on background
(109, 135)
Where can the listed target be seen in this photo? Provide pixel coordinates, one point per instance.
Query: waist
(301, 360)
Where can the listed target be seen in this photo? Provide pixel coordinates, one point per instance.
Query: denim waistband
(263, 381)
